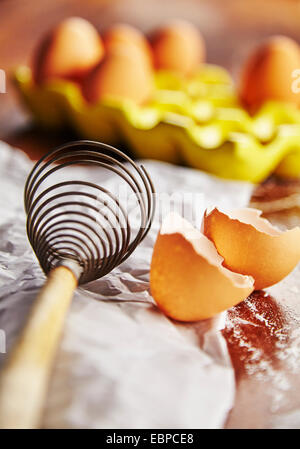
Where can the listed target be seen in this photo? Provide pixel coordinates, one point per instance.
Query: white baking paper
(121, 363)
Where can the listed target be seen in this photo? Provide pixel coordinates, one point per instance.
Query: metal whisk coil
(80, 231)
(82, 221)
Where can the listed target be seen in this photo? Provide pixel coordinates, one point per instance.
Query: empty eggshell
(268, 73)
(250, 245)
(178, 46)
(123, 74)
(123, 34)
(187, 279)
(70, 51)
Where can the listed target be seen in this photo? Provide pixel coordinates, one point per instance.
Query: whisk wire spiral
(81, 220)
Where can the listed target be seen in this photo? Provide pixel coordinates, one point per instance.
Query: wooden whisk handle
(24, 378)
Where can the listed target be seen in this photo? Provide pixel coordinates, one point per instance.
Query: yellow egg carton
(198, 122)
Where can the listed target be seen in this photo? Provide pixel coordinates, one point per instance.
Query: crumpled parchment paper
(121, 363)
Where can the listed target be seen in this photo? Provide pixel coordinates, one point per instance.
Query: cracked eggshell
(70, 51)
(250, 245)
(187, 279)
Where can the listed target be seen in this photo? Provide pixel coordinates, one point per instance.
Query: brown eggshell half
(250, 245)
(70, 51)
(123, 74)
(187, 279)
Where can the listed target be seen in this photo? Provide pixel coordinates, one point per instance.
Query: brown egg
(250, 245)
(70, 51)
(268, 73)
(127, 35)
(187, 279)
(123, 74)
(178, 46)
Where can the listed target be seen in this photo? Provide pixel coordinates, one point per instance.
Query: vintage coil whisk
(80, 231)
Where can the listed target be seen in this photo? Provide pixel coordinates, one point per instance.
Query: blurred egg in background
(178, 46)
(268, 73)
(69, 51)
(123, 73)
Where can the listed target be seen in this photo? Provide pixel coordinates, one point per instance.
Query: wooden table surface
(231, 28)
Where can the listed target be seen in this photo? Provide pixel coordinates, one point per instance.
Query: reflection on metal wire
(82, 221)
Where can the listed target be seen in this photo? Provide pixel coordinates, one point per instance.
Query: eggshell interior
(123, 74)
(187, 279)
(250, 245)
(267, 74)
(72, 49)
(178, 46)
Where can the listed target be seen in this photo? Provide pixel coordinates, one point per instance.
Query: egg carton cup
(197, 122)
